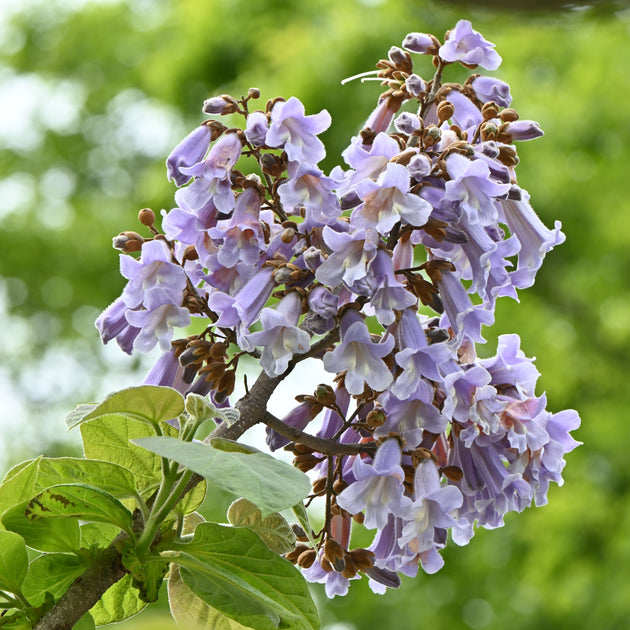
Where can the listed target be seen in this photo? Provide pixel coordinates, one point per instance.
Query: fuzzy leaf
(119, 602)
(51, 573)
(190, 611)
(79, 501)
(44, 534)
(18, 484)
(13, 561)
(147, 403)
(234, 572)
(275, 532)
(270, 484)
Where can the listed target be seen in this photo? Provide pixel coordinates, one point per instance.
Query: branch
(320, 445)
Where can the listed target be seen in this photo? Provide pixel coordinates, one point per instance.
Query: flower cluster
(386, 269)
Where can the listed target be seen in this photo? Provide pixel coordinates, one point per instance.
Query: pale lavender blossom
(280, 337)
(466, 114)
(351, 253)
(387, 294)
(112, 324)
(187, 153)
(535, 238)
(157, 320)
(368, 163)
(212, 176)
(523, 130)
(432, 509)
(256, 128)
(468, 46)
(154, 268)
(378, 490)
(240, 237)
(422, 43)
(471, 186)
(492, 89)
(360, 356)
(297, 133)
(386, 201)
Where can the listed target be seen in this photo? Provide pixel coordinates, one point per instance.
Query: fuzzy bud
(128, 242)
(422, 43)
(224, 104)
(146, 216)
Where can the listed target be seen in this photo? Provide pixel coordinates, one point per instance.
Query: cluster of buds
(386, 269)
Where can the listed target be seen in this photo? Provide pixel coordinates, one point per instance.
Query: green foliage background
(94, 94)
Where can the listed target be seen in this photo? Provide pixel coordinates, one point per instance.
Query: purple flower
(308, 188)
(241, 236)
(112, 324)
(386, 201)
(472, 187)
(187, 153)
(360, 356)
(280, 337)
(153, 269)
(297, 418)
(535, 239)
(351, 253)
(378, 488)
(524, 130)
(388, 294)
(157, 320)
(468, 46)
(296, 133)
(256, 128)
(491, 89)
(465, 318)
(431, 509)
(213, 175)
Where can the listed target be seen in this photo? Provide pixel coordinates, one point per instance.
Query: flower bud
(306, 558)
(407, 123)
(420, 166)
(422, 43)
(400, 58)
(146, 216)
(489, 110)
(253, 93)
(272, 164)
(508, 115)
(256, 128)
(128, 242)
(224, 104)
(415, 85)
(445, 110)
(524, 130)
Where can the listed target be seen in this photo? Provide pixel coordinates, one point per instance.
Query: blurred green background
(93, 95)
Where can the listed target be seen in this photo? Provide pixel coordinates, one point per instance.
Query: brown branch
(320, 445)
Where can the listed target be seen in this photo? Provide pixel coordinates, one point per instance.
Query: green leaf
(46, 534)
(109, 439)
(98, 534)
(18, 484)
(193, 499)
(17, 620)
(79, 501)
(85, 623)
(234, 572)
(269, 483)
(230, 446)
(13, 561)
(51, 573)
(120, 601)
(190, 611)
(77, 415)
(200, 408)
(148, 574)
(302, 516)
(275, 532)
(148, 403)
(112, 478)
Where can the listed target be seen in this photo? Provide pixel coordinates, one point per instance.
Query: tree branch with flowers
(385, 270)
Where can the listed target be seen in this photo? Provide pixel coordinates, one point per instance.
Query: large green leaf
(18, 485)
(44, 534)
(79, 501)
(109, 439)
(113, 478)
(265, 481)
(51, 573)
(119, 602)
(13, 561)
(147, 403)
(190, 611)
(274, 530)
(234, 572)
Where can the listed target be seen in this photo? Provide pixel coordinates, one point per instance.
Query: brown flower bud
(376, 418)
(292, 556)
(306, 558)
(454, 473)
(445, 110)
(253, 93)
(508, 115)
(489, 110)
(288, 235)
(128, 242)
(146, 216)
(319, 485)
(306, 461)
(272, 164)
(363, 559)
